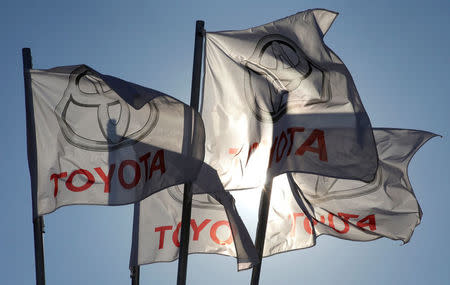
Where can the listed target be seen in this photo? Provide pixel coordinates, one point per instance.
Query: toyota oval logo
(92, 116)
(280, 76)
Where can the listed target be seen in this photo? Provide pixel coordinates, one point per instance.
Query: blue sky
(398, 54)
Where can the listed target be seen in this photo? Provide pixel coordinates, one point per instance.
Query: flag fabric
(304, 206)
(215, 228)
(277, 99)
(105, 141)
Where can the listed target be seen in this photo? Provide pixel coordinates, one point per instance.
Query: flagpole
(187, 193)
(135, 274)
(261, 228)
(135, 270)
(38, 221)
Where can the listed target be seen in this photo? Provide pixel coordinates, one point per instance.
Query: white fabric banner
(215, 225)
(304, 206)
(101, 140)
(277, 99)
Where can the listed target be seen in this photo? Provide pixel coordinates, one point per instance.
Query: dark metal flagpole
(261, 228)
(187, 195)
(135, 274)
(135, 270)
(38, 221)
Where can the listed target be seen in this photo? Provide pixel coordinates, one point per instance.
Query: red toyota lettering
(175, 234)
(282, 137)
(55, 178)
(89, 180)
(198, 229)
(320, 149)
(213, 233)
(344, 219)
(106, 179)
(294, 220)
(162, 232)
(252, 148)
(137, 174)
(158, 163)
(368, 221)
(144, 159)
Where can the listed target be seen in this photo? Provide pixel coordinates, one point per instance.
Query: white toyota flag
(304, 206)
(101, 140)
(277, 99)
(216, 226)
